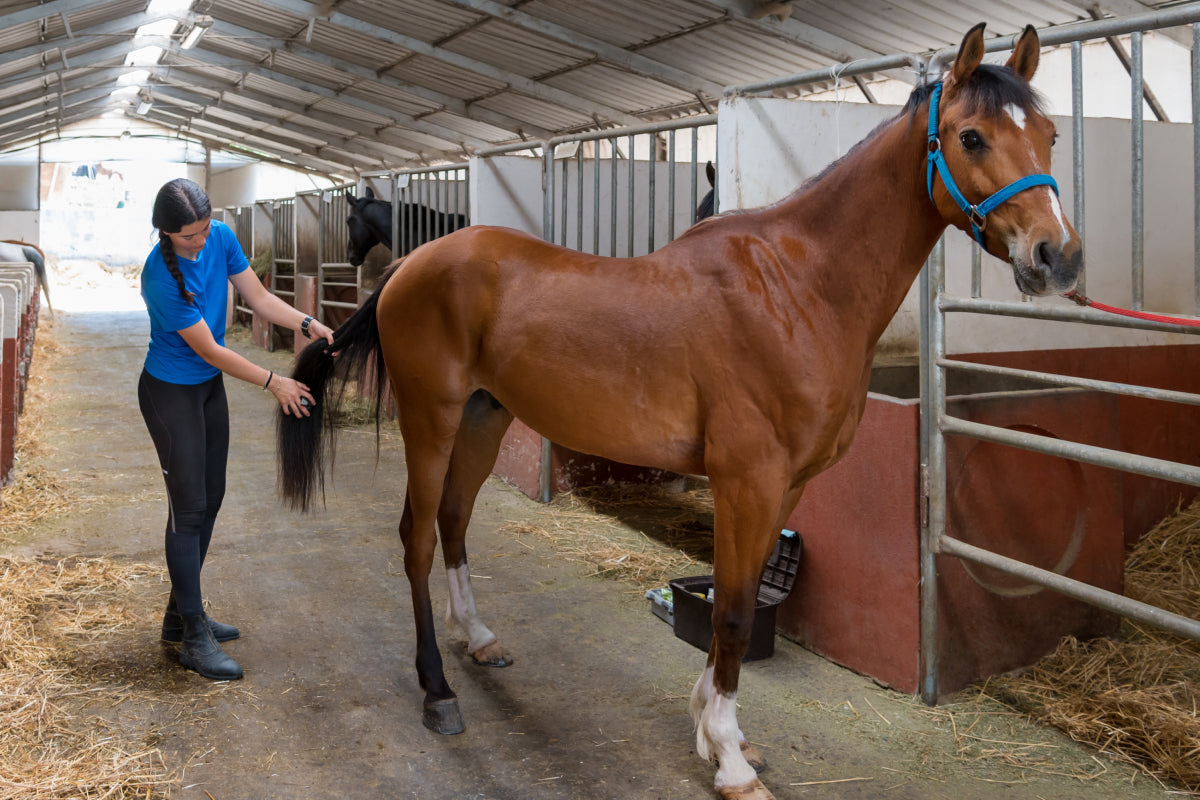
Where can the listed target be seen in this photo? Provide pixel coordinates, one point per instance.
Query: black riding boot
(172, 625)
(201, 652)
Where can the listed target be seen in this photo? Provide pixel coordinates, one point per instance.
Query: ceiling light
(199, 27)
(145, 101)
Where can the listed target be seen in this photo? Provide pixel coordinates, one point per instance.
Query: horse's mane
(989, 89)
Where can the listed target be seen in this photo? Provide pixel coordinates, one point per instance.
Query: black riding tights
(190, 428)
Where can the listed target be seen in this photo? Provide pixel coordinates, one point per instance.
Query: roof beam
(240, 65)
(185, 123)
(1129, 8)
(791, 29)
(128, 24)
(518, 83)
(448, 103)
(53, 8)
(341, 143)
(633, 62)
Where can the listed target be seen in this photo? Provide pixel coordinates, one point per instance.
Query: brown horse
(740, 351)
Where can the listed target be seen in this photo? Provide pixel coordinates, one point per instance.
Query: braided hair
(179, 203)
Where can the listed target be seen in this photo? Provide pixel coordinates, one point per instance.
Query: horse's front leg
(440, 711)
(476, 446)
(748, 516)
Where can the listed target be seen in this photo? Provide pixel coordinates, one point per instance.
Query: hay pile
(48, 610)
(1135, 699)
(640, 534)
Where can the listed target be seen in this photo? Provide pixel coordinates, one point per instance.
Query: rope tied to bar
(1086, 301)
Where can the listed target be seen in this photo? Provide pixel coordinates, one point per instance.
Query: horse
(370, 223)
(742, 351)
(708, 205)
(13, 250)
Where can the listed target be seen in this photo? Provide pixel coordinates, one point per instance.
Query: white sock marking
(462, 609)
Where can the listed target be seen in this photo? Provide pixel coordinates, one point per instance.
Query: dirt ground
(594, 707)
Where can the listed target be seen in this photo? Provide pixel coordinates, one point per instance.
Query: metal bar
(671, 185)
(695, 198)
(1195, 169)
(846, 70)
(612, 228)
(933, 461)
(631, 130)
(1089, 454)
(651, 189)
(579, 198)
(976, 270)
(1058, 314)
(1133, 609)
(596, 200)
(1138, 216)
(630, 194)
(1112, 387)
(1077, 175)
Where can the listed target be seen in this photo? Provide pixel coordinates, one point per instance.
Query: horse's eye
(971, 140)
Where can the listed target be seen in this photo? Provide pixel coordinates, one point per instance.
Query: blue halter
(976, 214)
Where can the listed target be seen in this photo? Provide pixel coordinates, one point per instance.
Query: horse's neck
(867, 225)
(382, 227)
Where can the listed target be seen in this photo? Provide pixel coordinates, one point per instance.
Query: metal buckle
(934, 144)
(977, 219)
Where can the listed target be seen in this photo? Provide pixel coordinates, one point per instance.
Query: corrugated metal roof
(367, 84)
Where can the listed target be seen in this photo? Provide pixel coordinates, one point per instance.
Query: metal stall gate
(937, 304)
(596, 203)
(283, 254)
(338, 280)
(240, 220)
(428, 203)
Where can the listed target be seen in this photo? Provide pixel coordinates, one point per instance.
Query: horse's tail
(302, 441)
(38, 259)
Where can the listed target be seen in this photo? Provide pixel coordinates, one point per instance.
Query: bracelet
(270, 377)
(304, 327)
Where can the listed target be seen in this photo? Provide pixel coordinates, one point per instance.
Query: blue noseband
(976, 214)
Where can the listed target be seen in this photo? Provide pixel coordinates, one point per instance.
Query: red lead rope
(1126, 312)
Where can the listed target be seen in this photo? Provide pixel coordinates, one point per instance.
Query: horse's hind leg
(476, 446)
(429, 433)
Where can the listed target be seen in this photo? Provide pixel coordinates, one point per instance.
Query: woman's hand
(293, 396)
(319, 330)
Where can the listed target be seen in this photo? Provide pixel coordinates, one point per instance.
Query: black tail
(302, 441)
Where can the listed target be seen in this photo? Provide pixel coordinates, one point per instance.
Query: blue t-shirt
(170, 358)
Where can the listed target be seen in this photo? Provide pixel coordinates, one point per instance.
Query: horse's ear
(711, 172)
(351, 198)
(369, 193)
(1024, 58)
(970, 54)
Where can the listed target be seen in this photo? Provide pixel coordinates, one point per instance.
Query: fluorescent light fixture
(199, 27)
(146, 101)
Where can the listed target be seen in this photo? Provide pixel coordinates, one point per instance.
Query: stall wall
(769, 147)
(507, 190)
(19, 199)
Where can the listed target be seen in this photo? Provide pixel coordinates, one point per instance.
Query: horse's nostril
(1045, 255)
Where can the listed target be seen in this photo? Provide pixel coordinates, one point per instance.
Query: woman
(182, 396)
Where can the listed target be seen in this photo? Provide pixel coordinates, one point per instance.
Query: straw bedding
(49, 610)
(1136, 698)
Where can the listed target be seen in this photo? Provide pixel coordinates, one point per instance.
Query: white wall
(769, 147)
(507, 190)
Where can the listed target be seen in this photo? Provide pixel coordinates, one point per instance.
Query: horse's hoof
(492, 654)
(754, 757)
(754, 790)
(443, 716)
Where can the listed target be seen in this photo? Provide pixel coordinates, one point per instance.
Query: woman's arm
(288, 392)
(274, 310)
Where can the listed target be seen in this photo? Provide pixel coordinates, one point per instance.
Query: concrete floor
(594, 707)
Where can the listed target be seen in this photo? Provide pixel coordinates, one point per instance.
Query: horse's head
(369, 223)
(989, 159)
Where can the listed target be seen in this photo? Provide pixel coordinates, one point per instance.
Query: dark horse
(370, 223)
(740, 351)
(12, 250)
(708, 203)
